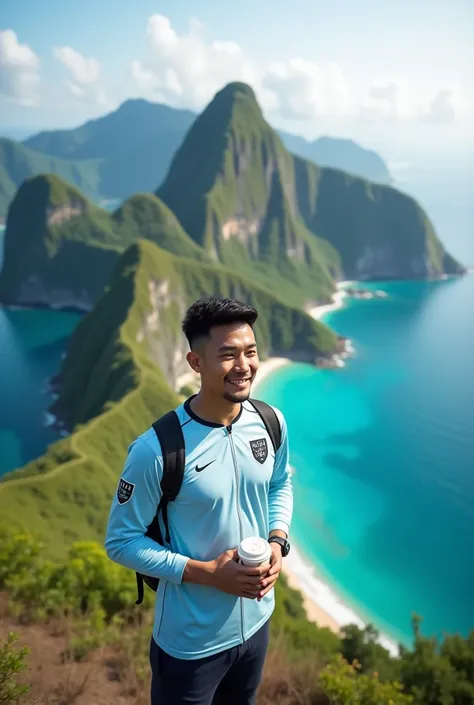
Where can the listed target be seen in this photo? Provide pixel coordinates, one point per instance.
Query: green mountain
(343, 154)
(60, 249)
(124, 152)
(245, 199)
(19, 162)
(133, 123)
(121, 371)
(130, 149)
(379, 232)
(231, 186)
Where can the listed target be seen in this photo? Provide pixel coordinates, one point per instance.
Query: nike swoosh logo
(198, 469)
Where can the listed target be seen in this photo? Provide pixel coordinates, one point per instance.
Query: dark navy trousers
(230, 677)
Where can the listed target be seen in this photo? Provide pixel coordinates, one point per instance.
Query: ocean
(383, 452)
(31, 345)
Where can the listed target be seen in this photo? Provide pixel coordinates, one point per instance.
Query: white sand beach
(267, 367)
(317, 312)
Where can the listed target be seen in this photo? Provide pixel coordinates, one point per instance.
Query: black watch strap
(284, 543)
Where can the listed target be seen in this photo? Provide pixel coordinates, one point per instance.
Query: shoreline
(321, 602)
(317, 312)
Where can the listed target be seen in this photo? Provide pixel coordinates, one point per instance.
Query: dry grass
(287, 683)
(119, 674)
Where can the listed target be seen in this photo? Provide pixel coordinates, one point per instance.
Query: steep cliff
(232, 187)
(232, 175)
(60, 249)
(44, 260)
(378, 231)
(122, 363)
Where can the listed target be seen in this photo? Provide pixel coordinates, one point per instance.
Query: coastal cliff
(46, 262)
(250, 201)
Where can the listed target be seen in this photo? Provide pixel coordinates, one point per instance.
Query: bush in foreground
(12, 663)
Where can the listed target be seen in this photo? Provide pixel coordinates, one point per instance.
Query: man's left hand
(272, 576)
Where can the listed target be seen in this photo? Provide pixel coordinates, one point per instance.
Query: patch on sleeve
(124, 491)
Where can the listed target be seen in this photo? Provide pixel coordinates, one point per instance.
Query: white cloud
(389, 100)
(304, 90)
(445, 106)
(184, 70)
(19, 65)
(85, 74)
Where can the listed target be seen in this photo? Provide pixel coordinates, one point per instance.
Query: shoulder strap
(170, 435)
(270, 419)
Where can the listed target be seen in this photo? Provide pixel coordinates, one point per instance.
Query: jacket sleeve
(140, 492)
(280, 497)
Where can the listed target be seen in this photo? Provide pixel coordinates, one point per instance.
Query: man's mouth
(239, 382)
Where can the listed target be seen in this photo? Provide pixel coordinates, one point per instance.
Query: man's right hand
(228, 575)
(225, 573)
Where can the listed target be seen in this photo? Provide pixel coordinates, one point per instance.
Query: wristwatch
(285, 545)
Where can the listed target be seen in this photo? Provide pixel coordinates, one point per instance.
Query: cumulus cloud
(304, 90)
(184, 70)
(19, 70)
(85, 75)
(445, 106)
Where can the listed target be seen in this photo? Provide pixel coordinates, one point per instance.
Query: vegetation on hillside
(378, 232)
(19, 162)
(306, 664)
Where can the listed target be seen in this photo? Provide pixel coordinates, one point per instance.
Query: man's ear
(194, 361)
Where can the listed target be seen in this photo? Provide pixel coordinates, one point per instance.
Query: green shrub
(12, 663)
(344, 685)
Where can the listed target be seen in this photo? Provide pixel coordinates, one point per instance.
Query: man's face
(228, 361)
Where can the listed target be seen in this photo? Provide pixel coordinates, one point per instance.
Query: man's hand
(227, 575)
(270, 579)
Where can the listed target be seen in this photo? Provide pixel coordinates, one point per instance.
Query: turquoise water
(31, 345)
(383, 452)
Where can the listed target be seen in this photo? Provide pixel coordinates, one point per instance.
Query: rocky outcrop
(160, 332)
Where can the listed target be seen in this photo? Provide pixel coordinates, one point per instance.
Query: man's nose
(242, 364)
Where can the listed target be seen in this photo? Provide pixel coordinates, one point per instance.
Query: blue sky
(383, 72)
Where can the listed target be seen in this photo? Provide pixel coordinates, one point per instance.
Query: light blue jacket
(243, 490)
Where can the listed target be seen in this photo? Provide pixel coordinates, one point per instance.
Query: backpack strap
(270, 419)
(170, 436)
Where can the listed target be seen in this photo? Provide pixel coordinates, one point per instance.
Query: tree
(343, 684)
(362, 645)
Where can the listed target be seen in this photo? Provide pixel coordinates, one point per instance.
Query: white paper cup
(254, 551)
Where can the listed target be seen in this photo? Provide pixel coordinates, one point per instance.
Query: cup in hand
(254, 551)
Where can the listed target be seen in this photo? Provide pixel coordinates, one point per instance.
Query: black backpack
(170, 436)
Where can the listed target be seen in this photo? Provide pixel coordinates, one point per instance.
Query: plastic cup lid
(254, 548)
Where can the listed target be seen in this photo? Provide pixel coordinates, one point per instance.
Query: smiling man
(211, 627)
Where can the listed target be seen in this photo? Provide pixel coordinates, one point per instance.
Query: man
(212, 613)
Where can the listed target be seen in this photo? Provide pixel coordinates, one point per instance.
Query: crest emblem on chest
(259, 449)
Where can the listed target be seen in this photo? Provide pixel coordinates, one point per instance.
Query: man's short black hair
(210, 311)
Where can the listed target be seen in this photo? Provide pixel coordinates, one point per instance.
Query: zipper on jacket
(236, 469)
